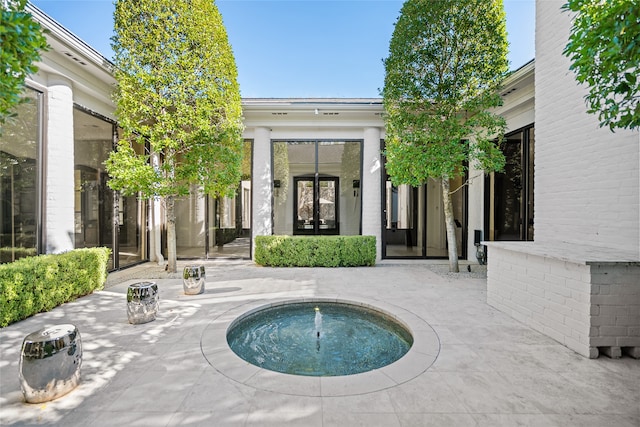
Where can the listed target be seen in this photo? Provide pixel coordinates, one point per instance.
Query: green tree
(177, 90)
(604, 47)
(22, 41)
(446, 61)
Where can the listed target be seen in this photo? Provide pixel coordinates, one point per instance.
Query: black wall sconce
(356, 186)
(481, 250)
(276, 186)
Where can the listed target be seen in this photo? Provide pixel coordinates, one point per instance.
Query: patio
(489, 369)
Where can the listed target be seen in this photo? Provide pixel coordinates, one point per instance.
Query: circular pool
(319, 338)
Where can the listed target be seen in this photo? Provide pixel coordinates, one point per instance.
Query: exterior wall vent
(75, 58)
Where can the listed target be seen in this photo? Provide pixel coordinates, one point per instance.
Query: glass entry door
(316, 209)
(404, 231)
(414, 220)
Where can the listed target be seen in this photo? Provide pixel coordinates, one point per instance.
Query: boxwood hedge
(32, 285)
(315, 251)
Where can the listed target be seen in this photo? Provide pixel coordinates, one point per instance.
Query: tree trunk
(451, 226)
(171, 234)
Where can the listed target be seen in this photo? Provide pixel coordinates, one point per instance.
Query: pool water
(349, 339)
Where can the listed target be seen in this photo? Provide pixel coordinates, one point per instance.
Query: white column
(371, 192)
(59, 179)
(262, 188)
(155, 221)
(475, 209)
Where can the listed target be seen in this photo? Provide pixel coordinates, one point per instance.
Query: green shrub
(315, 251)
(225, 235)
(12, 254)
(32, 285)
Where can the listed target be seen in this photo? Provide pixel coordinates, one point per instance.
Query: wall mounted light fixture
(276, 186)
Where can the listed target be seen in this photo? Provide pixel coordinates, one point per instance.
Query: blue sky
(299, 48)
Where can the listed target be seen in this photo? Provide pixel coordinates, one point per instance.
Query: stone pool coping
(420, 357)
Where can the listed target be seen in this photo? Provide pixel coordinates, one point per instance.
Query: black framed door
(414, 223)
(404, 231)
(509, 195)
(316, 205)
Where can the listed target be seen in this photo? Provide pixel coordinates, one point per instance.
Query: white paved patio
(489, 370)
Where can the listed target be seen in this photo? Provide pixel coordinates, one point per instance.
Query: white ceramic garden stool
(193, 279)
(142, 302)
(50, 363)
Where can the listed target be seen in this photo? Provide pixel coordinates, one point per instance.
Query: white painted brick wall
(370, 188)
(59, 203)
(587, 182)
(261, 174)
(579, 282)
(616, 305)
(551, 296)
(583, 305)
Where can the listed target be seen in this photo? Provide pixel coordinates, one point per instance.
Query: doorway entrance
(509, 194)
(316, 187)
(316, 209)
(414, 220)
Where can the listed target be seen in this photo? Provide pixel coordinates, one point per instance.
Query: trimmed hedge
(315, 251)
(32, 285)
(10, 254)
(225, 235)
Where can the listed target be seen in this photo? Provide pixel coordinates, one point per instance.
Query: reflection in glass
(19, 199)
(508, 213)
(209, 227)
(510, 206)
(131, 230)
(317, 205)
(325, 179)
(530, 193)
(415, 221)
(94, 200)
(190, 225)
(404, 227)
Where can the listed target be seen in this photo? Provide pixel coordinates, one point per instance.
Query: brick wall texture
(587, 183)
(585, 295)
(583, 306)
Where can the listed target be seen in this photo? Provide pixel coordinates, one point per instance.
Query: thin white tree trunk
(450, 225)
(171, 234)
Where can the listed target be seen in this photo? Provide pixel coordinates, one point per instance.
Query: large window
(102, 217)
(19, 180)
(93, 141)
(316, 187)
(131, 225)
(414, 220)
(509, 194)
(209, 227)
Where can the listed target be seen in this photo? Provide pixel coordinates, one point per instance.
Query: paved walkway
(489, 370)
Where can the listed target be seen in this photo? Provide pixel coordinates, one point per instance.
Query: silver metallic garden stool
(193, 279)
(50, 363)
(142, 302)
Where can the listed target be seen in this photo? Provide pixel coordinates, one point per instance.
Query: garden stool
(142, 302)
(193, 279)
(50, 363)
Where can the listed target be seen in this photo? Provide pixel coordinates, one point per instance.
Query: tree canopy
(446, 62)
(23, 40)
(177, 91)
(604, 47)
